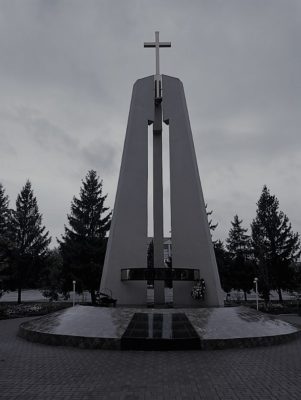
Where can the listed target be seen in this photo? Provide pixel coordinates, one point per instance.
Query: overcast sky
(66, 75)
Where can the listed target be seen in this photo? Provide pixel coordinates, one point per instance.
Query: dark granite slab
(158, 331)
(203, 328)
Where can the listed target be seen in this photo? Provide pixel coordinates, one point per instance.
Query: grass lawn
(28, 309)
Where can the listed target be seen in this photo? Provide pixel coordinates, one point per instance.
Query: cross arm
(161, 44)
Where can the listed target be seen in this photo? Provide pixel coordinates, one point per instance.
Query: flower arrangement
(198, 290)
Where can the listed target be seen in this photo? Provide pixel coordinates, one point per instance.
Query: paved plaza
(35, 371)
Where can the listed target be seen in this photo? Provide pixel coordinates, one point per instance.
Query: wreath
(198, 290)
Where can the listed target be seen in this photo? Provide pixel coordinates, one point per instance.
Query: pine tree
(4, 224)
(28, 240)
(223, 264)
(51, 276)
(84, 244)
(4, 212)
(275, 246)
(150, 254)
(238, 243)
(150, 259)
(242, 268)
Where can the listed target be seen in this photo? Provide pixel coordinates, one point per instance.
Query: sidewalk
(35, 371)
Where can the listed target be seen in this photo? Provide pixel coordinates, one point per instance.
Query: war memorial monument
(160, 100)
(194, 322)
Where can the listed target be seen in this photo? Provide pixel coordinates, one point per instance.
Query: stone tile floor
(34, 371)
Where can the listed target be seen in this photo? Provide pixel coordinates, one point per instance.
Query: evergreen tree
(83, 246)
(238, 243)
(223, 264)
(150, 259)
(150, 254)
(29, 241)
(4, 224)
(4, 212)
(51, 276)
(275, 246)
(242, 268)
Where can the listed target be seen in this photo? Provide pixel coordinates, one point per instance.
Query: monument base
(158, 329)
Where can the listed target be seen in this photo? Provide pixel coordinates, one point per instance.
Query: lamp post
(74, 282)
(256, 291)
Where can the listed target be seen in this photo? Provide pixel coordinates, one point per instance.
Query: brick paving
(35, 371)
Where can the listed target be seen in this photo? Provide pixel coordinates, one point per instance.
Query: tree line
(269, 252)
(26, 261)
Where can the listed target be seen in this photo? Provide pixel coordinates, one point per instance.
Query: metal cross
(157, 44)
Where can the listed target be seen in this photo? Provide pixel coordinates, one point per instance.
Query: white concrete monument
(125, 273)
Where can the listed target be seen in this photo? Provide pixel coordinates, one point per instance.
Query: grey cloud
(51, 137)
(46, 134)
(5, 145)
(66, 75)
(101, 156)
